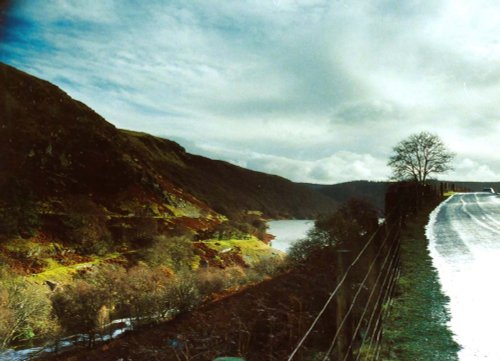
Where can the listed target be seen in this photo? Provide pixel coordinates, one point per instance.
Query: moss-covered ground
(252, 250)
(60, 273)
(416, 328)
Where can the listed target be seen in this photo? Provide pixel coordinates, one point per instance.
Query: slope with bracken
(70, 181)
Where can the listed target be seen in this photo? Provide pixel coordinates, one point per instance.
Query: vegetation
(25, 310)
(176, 253)
(419, 156)
(350, 224)
(416, 327)
(85, 227)
(261, 322)
(160, 286)
(18, 213)
(252, 251)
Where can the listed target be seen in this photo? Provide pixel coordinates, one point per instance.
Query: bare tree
(419, 156)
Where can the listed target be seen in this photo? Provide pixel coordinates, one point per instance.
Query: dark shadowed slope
(230, 189)
(373, 192)
(58, 152)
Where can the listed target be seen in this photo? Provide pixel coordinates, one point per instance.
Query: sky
(315, 91)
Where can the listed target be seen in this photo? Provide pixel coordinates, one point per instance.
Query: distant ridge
(371, 191)
(374, 191)
(474, 186)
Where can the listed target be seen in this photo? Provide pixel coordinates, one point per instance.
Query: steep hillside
(68, 173)
(227, 188)
(373, 192)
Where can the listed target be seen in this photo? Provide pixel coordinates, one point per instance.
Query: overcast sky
(315, 91)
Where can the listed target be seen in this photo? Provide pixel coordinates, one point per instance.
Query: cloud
(471, 170)
(334, 168)
(277, 85)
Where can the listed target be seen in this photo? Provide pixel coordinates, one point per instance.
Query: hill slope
(62, 166)
(373, 192)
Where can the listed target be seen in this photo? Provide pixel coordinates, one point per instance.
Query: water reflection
(288, 231)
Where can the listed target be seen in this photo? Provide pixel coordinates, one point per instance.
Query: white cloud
(314, 91)
(470, 170)
(338, 167)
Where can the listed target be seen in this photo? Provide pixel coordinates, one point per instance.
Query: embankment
(416, 328)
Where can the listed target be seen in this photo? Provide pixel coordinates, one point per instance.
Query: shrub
(268, 266)
(353, 221)
(302, 250)
(6, 317)
(211, 280)
(175, 252)
(148, 293)
(86, 227)
(78, 306)
(185, 291)
(25, 311)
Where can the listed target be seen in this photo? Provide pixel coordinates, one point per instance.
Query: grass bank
(416, 328)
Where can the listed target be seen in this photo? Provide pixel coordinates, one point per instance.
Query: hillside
(67, 174)
(373, 192)
(229, 189)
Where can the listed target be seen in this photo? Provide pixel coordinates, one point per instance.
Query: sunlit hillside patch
(252, 250)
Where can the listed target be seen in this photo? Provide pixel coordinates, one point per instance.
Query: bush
(78, 306)
(142, 294)
(175, 252)
(353, 221)
(6, 317)
(303, 250)
(25, 311)
(268, 266)
(86, 227)
(211, 280)
(185, 291)
(147, 293)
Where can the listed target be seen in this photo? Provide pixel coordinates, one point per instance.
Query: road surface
(464, 242)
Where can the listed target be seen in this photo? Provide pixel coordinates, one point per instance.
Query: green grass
(252, 250)
(416, 329)
(254, 213)
(59, 273)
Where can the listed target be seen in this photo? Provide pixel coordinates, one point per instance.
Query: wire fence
(361, 299)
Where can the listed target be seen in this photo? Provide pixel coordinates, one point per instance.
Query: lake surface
(288, 231)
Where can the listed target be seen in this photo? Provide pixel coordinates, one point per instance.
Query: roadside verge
(416, 327)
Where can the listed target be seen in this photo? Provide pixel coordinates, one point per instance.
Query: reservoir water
(288, 231)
